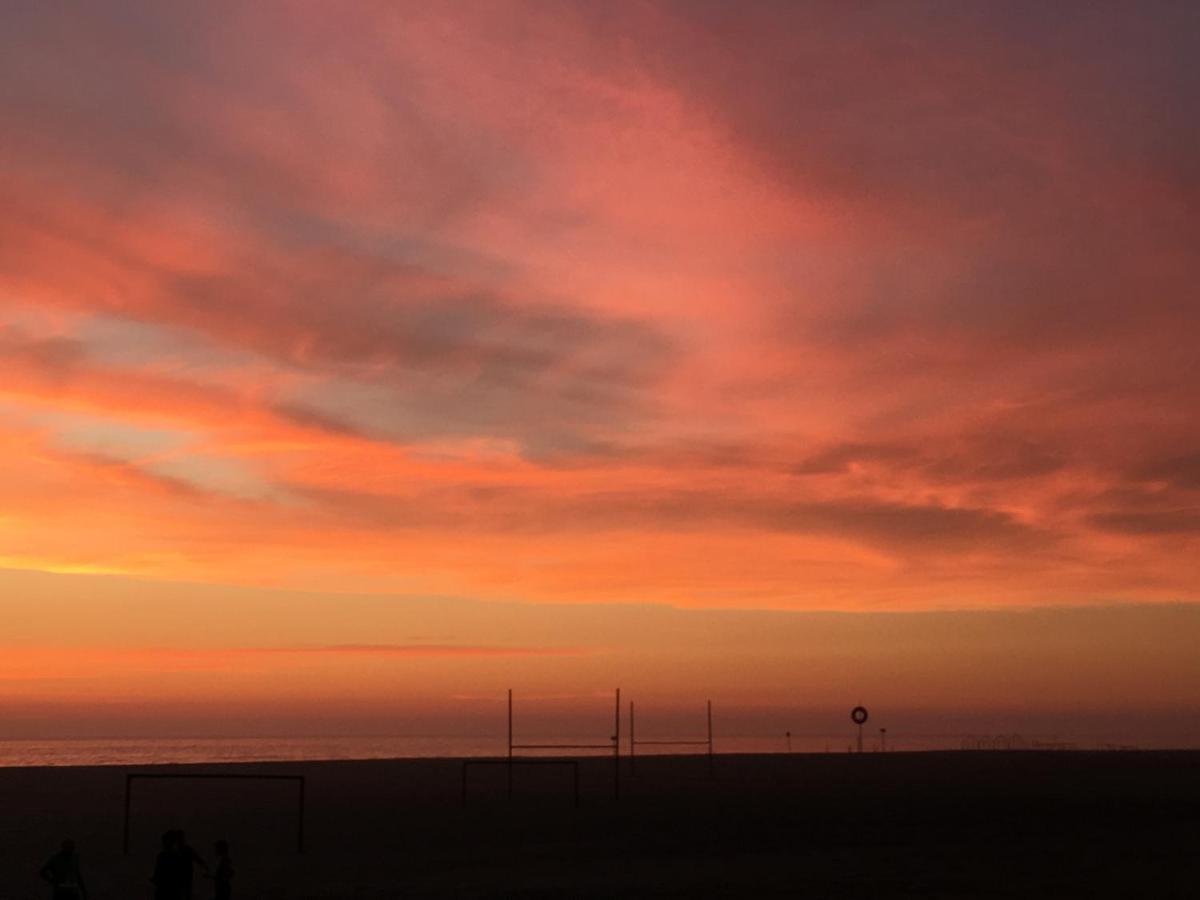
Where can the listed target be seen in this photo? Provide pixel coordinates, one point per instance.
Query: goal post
(131, 777)
(613, 744)
(573, 764)
(706, 742)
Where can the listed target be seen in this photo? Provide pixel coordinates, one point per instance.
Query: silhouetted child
(223, 874)
(62, 873)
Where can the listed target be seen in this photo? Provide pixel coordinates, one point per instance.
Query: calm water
(147, 751)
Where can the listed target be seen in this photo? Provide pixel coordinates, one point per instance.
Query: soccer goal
(132, 777)
(613, 744)
(572, 764)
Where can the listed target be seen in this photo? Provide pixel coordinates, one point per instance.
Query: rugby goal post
(706, 742)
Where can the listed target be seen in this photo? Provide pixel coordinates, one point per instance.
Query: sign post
(859, 716)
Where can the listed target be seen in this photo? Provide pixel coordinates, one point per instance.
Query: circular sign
(859, 714)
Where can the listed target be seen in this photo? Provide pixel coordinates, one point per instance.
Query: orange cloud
(592, 306)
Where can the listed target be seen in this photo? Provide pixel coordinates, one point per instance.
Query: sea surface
(150, 751)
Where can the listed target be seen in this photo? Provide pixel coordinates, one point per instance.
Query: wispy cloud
(100, 663)
(589, 303)
(416, 650)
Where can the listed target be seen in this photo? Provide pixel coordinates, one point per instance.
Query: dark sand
(1021, 824)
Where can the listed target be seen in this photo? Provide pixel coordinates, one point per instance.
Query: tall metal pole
(860, 737)
(128, 790)
(710, 740)
(632, 741)
(510, 747)
(617, 747)
(300, 819)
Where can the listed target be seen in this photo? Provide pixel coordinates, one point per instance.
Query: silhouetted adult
(223, 874)
(62, 873)
(188, 860)
(168, 871)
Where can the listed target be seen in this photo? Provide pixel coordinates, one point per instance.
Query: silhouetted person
(188, 859)
(168, 869)
(223, 874)
(62, 873)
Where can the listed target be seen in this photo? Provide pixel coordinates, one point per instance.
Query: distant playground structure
(1018, 742)
(995, 742)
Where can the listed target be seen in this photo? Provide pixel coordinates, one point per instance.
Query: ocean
(119, 751)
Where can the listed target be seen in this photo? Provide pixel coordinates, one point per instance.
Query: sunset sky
(361, 361)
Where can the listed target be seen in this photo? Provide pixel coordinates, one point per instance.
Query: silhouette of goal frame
(131, 777)
(701, 742)
(572, 763)
(614, 744)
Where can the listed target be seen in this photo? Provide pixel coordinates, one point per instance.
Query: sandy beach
(967, 824)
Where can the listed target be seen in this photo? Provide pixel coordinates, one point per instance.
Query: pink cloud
(582, 303)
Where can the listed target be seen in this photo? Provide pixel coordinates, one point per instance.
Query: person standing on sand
(223, 876)
(188, 860)
(167, 876)
(62, 873)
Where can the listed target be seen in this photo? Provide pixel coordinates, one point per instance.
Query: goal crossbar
(131, 777)
(509, 763)
(613, 746)
(635, 742)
